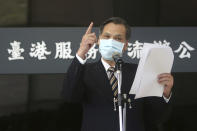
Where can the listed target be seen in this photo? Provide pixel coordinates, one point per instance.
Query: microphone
(117, 57)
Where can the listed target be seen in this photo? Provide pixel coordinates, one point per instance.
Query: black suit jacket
(89, 85)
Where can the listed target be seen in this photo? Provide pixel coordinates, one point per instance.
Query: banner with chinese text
(51, 50)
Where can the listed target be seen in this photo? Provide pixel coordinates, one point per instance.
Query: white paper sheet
(156, 59)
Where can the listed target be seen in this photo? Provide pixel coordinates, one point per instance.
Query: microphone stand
(121, 98)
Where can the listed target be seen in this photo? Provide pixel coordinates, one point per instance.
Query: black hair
(116, 20)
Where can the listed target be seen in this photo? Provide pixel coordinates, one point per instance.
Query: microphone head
(116, 56)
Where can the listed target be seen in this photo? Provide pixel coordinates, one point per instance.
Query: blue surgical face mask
(110, 47)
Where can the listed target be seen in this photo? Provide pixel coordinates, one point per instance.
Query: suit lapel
(126, 79)
(103, 81)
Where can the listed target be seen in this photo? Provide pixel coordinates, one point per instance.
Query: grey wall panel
(45, 92)
(13, 93)
(69, 12)
(46, 87)
(138, 12)
(178, 13)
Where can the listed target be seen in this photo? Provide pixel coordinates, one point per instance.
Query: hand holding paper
(167, 80)
(155, 60)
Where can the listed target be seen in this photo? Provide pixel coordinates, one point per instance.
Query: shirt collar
(105, 64)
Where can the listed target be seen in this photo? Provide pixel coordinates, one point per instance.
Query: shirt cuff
(81, 60)
(167, 99)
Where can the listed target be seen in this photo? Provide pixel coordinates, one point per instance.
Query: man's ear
(125, 46)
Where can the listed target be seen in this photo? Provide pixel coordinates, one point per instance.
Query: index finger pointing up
(89, 30)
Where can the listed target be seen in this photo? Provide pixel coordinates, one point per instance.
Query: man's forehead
(115, 29)
(113, 33)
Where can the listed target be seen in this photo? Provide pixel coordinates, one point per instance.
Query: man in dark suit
(95, 87)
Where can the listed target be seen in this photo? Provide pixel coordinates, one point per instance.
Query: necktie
(113, 81)
(114, 85)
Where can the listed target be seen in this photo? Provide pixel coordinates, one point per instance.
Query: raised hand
(87, 42)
